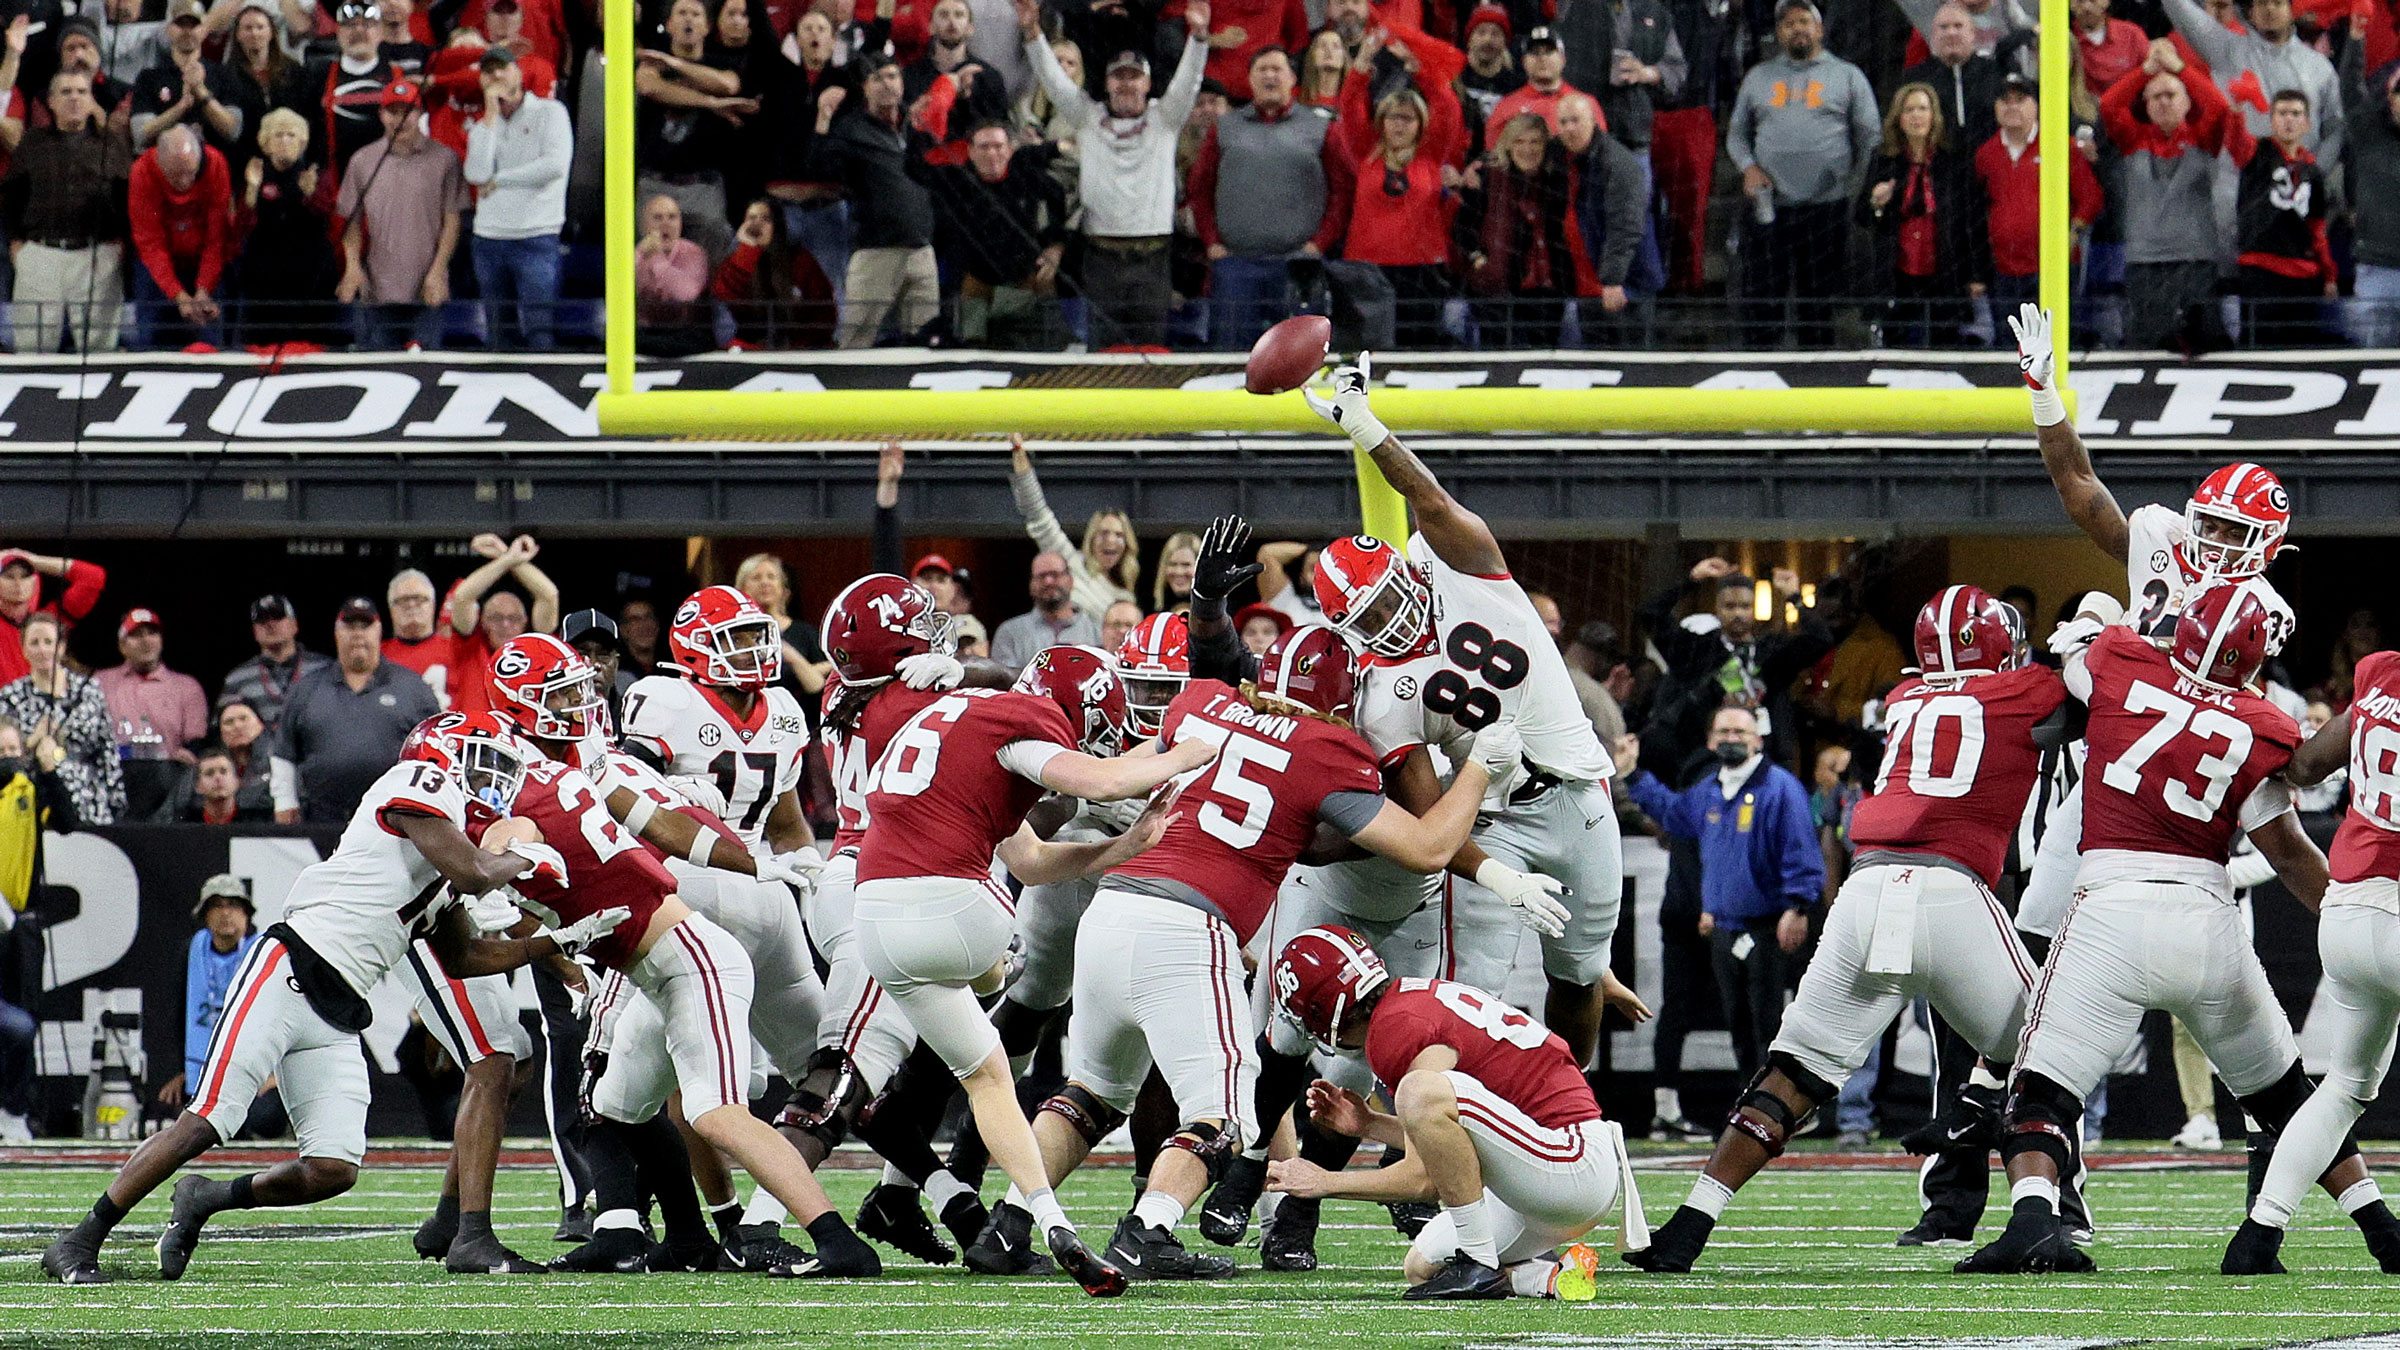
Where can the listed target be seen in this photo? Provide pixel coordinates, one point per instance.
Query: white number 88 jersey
(1493, 658)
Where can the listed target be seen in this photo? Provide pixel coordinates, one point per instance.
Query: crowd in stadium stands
(1172, 173)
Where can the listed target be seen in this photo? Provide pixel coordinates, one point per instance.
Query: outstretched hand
(1222, 566)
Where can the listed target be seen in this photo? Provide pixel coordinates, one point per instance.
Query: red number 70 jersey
(2173, 761)
(1958, 762)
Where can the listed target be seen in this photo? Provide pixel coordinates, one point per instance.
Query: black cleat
(1462, 1276)
(689, 1257)
(2253, 1250)
(612, 1251)
(1929, 1233)
(487, 1255)
(74, 1259)
(432, 1238)
(1005, 1246)
(840, 1253)
(1225, 1215)
(574, 1225)
(2383, 1243)
(1098, 1278)
(1147, 1252)
(965, 1217)
(1971, 1120)
(182, 1233)
(2034, 1243)
(895, 1217)
(1409, 1217)
(1675, 1244)
(757, 1247)
(1289, 1239)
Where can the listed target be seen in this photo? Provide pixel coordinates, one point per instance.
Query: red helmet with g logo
(2235, 523)
(2226, 633)
(547, 688)
(1083, 681)
(1964, 631)
(1321, 976)
(877, 622)
(1155, 663)
(720, 636)
(1312, 667)
(1373, 593)
(481, 750)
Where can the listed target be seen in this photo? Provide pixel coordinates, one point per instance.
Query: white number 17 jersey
(753, 760)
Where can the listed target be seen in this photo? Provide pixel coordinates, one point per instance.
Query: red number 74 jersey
(2174, 762)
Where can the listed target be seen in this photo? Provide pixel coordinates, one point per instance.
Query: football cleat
(755, 1247)
(1928, 1233)
(2034, 1243)
(574, 1225)
(1677, 1130)
(182, 1233)
(1005, 1247)
(612, 1251)
(1461, 1277)
(1971, 1120)
(432, 1238)
(1148, 1252)
(1225, 1217)
(2383, 1243)
(1289, 1240)
(487, 1255)
(74, 1259)
(895, 1217)
(965, 1217)
(2200, 1133)
(1409, 1217)
(1675, 1244)
(2253, 1250)
(1098, 1278)
(1577, 1279)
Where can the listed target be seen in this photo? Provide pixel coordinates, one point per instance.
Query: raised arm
(1457, 534)
(1175, 105)
(543, 615)
(471, 588)
(886, 554)
(2215, 43)
(1217, 651)
(2088, 502)
(1064, 93)
(1040, 521)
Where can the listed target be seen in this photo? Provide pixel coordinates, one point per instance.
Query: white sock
(1709, 1196)
(2359, 1195)
(941, 1188)
(893, 1176)
(1474, 1224)
(1047, 1213)
(618, 1218)
(1982, 1077)
(1158, 1209)
(765, 1208)
(2270, 1211)
(2042, 1187)
(1531, 1279)
(1669, 1103)
(2310, 1139)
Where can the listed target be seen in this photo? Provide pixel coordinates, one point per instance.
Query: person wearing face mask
(1761, 870)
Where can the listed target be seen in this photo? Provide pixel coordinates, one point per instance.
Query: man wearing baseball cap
(158, 712)
(402, 196)
(349, 87)
(21, 574)
(1545, 84)
(1798, 158)
(595, 635)
(266, 679)
(228, 928)
(517, 157)
(186, 89)
(343, 726)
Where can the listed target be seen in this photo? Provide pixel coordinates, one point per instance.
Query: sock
(475, 1223)
(238, 1193)
(764, 1208)
(218, 1196)
(728, 1219)
(893, 1176)
(829, 1229)
(1159, 1210)
(105, 1215)
(445, 1211)
(1668, 1104)
(1474, 1224)
(1531, 1279)
(941, 1188)
(1982, 1077)
(1709, 1196)
(2270, 1211)
(2035, 1188)
(628, 1219)
(1047, 1212)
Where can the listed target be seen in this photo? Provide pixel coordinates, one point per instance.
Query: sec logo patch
(1405, 687)
(2158, 561)
(709, 735)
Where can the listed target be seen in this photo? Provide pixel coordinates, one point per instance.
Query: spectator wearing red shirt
(21, 576)
(2010, 167)
(772, 287)
(2111, 47)
(1394, 211)
(456, 71)
(484, 625)
(1239, 30)
(418, 640)
(538, 30)
(179, 203)
(1545, 84)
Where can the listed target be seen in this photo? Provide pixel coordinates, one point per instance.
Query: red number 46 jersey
(1522, 1063)
(2174, 762)
(1957, 765)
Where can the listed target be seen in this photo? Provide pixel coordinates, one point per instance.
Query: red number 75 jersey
(2173, 761)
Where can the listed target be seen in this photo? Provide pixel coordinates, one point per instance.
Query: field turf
(1805, 1258)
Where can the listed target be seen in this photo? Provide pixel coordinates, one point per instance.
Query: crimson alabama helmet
(1321, 976)
(2235, 523)
(720, 636)
(877, 622)
(1313, 667)
(547, 688)
(2226, 633)
(1964, 631)
(481, 750)
(1083, 681)
(1372, 592)
(1155, 663)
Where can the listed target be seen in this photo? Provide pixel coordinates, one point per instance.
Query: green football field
(1805, 1257)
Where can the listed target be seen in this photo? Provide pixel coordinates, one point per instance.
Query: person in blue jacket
(1761, 871)
(228, 927)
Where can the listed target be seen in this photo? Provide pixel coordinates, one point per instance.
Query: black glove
(1221, 567)
(595, 1064)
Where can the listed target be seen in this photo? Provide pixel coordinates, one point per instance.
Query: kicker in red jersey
(942, 801)
(1246, 818)
(1958, 763)
(1516, 1057)
(852, 754)
(2172, 759)
(606, 865)
(2367, 846)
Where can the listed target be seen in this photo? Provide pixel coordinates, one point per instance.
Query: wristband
(1487, 878)
(1370, 433)
(638, 819)
(704, 843)
(2048, 408)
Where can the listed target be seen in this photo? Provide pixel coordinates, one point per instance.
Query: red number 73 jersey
(2173, 762)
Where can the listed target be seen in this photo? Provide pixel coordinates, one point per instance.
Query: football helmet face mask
(2235, 523)
(547, 688)
(481, 750)
(1374, 594)
(2227, 633)
(1320, 978)
(1312, 667)
(1083, 681)
(877, 622)
(1155, 663)
(1964, 631)
(720, 636)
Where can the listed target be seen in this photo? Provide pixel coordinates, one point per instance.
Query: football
(1289, 354)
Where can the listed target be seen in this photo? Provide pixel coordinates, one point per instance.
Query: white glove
(2037, 360)
(931, 670)
(800, 867)
(1498, 748)
(1348, 408)
(699, 791)
(1530, 894)
(577, 937)
(541, 860)
(494, 911)
(2074, 635)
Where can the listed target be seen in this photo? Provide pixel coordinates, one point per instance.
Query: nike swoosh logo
(1131, 1259)
(1591, 824)
(1424, 946)
(1960, 1133)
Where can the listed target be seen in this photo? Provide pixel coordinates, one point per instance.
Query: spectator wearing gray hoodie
(1802, 128)
(2252, 66)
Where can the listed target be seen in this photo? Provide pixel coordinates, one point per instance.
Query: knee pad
(1781, 1121)
(826, 1102)
(2274, 1106)
(2042, 1117)
(1092, 1118)
(1211, 1143)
